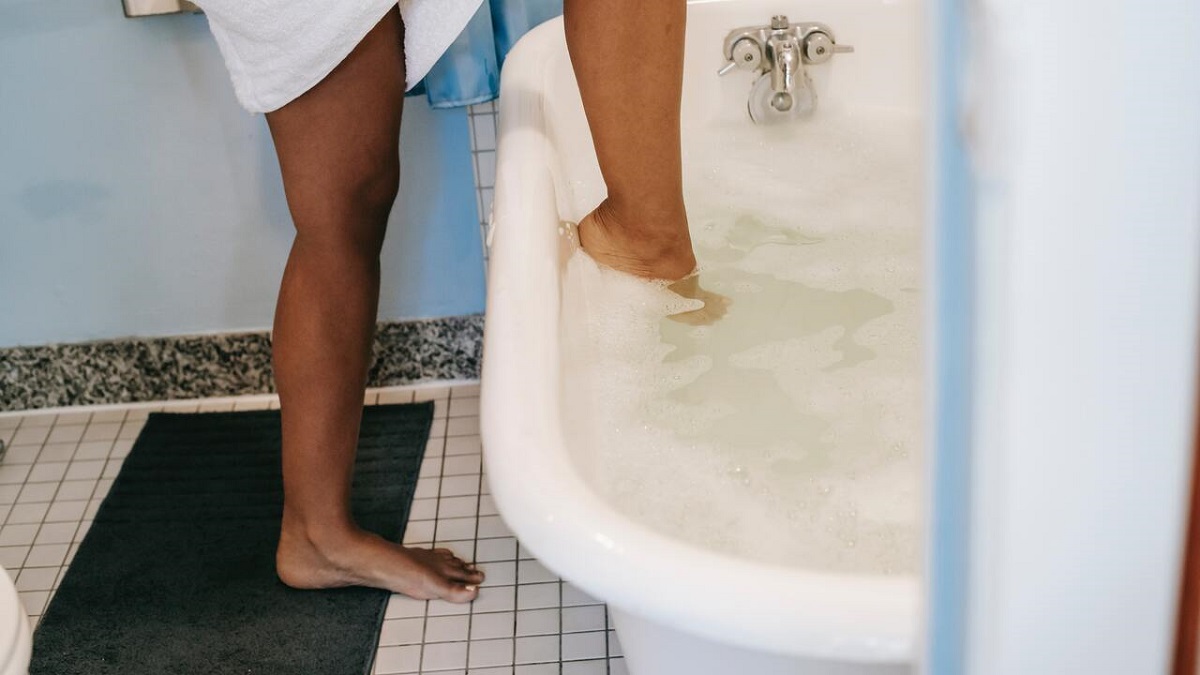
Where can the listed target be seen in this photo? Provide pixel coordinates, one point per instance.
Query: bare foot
(614, 244)
(358, 558)
(715, 304)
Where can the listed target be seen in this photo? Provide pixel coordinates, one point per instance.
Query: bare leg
(338, 151)
(628, 59)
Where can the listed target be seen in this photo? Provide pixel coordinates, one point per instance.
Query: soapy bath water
(788, 431)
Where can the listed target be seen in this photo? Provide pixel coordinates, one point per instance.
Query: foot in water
(715, 304)
(612, 244)
(353, 557)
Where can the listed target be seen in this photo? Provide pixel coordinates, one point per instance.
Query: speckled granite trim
(135, 369)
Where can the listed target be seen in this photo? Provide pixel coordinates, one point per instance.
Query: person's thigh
(338, 142)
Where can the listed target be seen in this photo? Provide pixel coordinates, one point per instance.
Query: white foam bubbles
(789, 431)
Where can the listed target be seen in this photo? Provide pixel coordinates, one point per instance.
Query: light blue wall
(137, 198)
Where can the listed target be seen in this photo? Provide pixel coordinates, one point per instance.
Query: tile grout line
(475, 552)
(37, 533)
(425, 611)
(41, 524)
(492, 114)
(87, 503)
(478, 190)
(561, 626)
(607, 642)
(21, 488)
(437, 517)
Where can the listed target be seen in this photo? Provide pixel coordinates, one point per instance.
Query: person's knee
(372, 194)
(352, 216)
(373, 189)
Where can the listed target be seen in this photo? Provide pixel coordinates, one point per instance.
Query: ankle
(320, 533)
(659, 251)
(654, 234)
(662, 227)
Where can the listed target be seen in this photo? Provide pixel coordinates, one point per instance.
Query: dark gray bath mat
(177, 574)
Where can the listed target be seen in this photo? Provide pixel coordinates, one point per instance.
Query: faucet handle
(819, 47)
(746, 54)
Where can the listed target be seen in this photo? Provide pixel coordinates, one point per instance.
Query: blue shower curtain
(469, 72)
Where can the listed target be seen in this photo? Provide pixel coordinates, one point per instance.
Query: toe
(457, 592)
(473, 577)
(449, 558)
(463, 593)
(460, 571)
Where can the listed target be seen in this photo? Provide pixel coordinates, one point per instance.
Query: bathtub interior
(545, 143)
(882, 77)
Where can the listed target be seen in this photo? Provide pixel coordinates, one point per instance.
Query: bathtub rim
(553, 511)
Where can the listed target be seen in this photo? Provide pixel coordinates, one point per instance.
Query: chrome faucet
(785, 54)
(781, 50)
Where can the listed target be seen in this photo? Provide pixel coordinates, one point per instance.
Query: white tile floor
(526, 621)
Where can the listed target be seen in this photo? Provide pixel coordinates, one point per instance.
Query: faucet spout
(786, 57)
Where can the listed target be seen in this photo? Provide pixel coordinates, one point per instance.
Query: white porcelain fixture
(16, 638)
(678, 609)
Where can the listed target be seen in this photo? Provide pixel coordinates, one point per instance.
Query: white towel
(430, 26)
(278, 49)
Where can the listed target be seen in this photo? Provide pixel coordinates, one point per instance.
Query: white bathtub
(678, 609)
